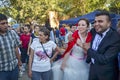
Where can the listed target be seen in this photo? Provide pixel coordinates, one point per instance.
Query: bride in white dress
(73, 66)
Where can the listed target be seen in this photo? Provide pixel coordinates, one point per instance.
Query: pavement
(24, 76)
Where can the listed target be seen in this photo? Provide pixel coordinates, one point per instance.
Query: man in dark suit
(104, 48)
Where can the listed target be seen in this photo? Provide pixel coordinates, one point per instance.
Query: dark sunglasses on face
(3, 23)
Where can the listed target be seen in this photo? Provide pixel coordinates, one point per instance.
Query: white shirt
(97, 40)
(41, 62)
(66, 36)
(52, 37)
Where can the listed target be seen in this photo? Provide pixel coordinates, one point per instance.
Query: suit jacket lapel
(105, 39)
(93, 35)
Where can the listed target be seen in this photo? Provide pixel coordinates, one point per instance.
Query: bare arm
(30, 63)
(64, 60)
(18, 56)
(57, 51)
(86, 46)
(28, 51)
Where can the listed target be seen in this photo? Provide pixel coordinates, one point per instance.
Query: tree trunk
(53, 19)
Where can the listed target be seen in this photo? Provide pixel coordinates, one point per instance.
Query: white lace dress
(76, 69)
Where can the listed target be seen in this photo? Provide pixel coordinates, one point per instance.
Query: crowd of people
(71, 52)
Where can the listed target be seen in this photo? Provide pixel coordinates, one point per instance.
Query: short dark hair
(3, 17)
(46, 32)
(104, 12)
(27, 25)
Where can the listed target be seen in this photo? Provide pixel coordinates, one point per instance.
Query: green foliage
(28, 10)
(115, 7)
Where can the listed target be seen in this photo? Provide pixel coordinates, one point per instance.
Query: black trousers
(96, 73)
(24, 56)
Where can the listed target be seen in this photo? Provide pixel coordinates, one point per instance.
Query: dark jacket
(105, 57)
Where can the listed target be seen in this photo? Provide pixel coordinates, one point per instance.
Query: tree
(115, 7)
(40, 10)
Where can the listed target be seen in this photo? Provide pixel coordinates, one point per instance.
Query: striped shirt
(8, 42)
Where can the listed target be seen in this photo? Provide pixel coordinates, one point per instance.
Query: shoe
(20, 73)
(23, 68)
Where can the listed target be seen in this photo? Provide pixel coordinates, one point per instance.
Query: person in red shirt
(62, 34)
(62, 31)
(25, 38)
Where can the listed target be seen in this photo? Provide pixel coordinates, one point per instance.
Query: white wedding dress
(76, 67)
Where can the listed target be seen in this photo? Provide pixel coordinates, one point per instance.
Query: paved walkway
(24, 76)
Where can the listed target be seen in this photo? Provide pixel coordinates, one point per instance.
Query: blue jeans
(62, 38)
(42, 75)
(9, 75)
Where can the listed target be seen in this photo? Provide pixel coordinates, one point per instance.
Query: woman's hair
(86, 20)
(46, 32)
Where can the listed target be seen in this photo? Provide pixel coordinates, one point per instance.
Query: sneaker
(20, 73)
(23, 68)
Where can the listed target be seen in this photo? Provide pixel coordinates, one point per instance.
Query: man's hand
(19, 63)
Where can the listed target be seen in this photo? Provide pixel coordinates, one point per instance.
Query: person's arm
(28, 51)
(17, 45)
(108, 54)
(30, 63)
(86, 46)
(79, 43)
(18, 56)
(57, 51)
(63, 65)
(70, 38)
